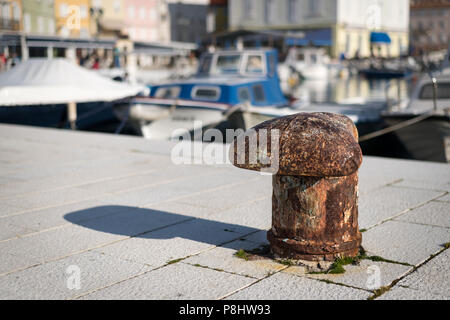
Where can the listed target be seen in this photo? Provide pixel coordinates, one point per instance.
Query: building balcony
(9, 24)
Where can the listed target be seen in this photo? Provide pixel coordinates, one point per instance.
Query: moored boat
(429, 137)
(231, 90)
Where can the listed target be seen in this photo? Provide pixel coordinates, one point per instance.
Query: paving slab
(181, 240)
(445, 198)
(53, 244)
(284, 286)
(55, 280)
(42, 219)
(224, 259)
(253, 213)
(401, 293)
(387, 202)
(438, 185)
(368, 275)
(405, 242)
(176, 281)
(434, 213)
(432, 277)
(8, 231)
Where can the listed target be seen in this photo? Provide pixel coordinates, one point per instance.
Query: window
(51, 26)
(258, 93)
(254, 64)
(314, 6)
(292, 10)
(247, 8)
(443, 91)
(16, 11)
(205, 64)
(153, 15)
(83, 12)
(5, 11)
(243, 94)
(142, 13)
(206, 93)
(97, 3)
(117, 6)
(40, 24)
(168, 92)
(63, 10)
(270, 7)
(27, 22)
(131, 12)
(228, 63)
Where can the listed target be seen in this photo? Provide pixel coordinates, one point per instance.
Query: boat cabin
(229, 77)
(306, 56)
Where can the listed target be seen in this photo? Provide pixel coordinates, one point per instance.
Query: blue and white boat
(235, 89)
(231, 90)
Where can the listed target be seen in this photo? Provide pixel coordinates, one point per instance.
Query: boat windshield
(227, 64)
(254, 64)
(443, 91)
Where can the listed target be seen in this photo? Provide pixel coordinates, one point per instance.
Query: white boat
(429, 138)
(312, 64)
(43, 91)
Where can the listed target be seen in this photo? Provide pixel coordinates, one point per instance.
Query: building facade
(217, 20)
(10, 15)
(430, 25)
(107, 18)
(188, 20)
(39, 17)
(344, 26)
(142, 18)
(72, 18)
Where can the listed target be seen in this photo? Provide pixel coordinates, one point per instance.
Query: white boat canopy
(40, 81)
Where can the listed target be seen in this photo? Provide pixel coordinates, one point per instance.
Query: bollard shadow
(154, 224)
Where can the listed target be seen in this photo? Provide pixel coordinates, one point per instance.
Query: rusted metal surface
(315, 190)
(310, 144)
(314, 218)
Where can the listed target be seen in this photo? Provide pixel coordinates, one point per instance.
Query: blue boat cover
(380, 37)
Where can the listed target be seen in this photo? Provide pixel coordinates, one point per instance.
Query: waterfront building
(108, 18)
(142, 20)
(430, 25)
(10, 15)
(346, 27)
(39, 17)
(188, 20)
(72, 18)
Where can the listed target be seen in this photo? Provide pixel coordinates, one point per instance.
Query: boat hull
(384, 74)
(427, 140)
(55, 116)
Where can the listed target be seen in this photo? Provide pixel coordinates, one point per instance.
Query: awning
(380, 37)
(59, 42)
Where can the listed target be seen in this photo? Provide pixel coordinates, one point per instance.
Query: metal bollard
(315, 190)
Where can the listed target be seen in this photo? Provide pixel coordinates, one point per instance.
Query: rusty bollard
(315, 190)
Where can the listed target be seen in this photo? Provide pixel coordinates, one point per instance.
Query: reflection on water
(354, 89)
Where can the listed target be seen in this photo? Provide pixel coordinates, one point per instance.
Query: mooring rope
(397, 126)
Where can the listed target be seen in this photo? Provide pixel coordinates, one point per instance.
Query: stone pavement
(95, 216)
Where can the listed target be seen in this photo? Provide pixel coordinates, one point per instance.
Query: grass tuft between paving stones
(337, 267)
